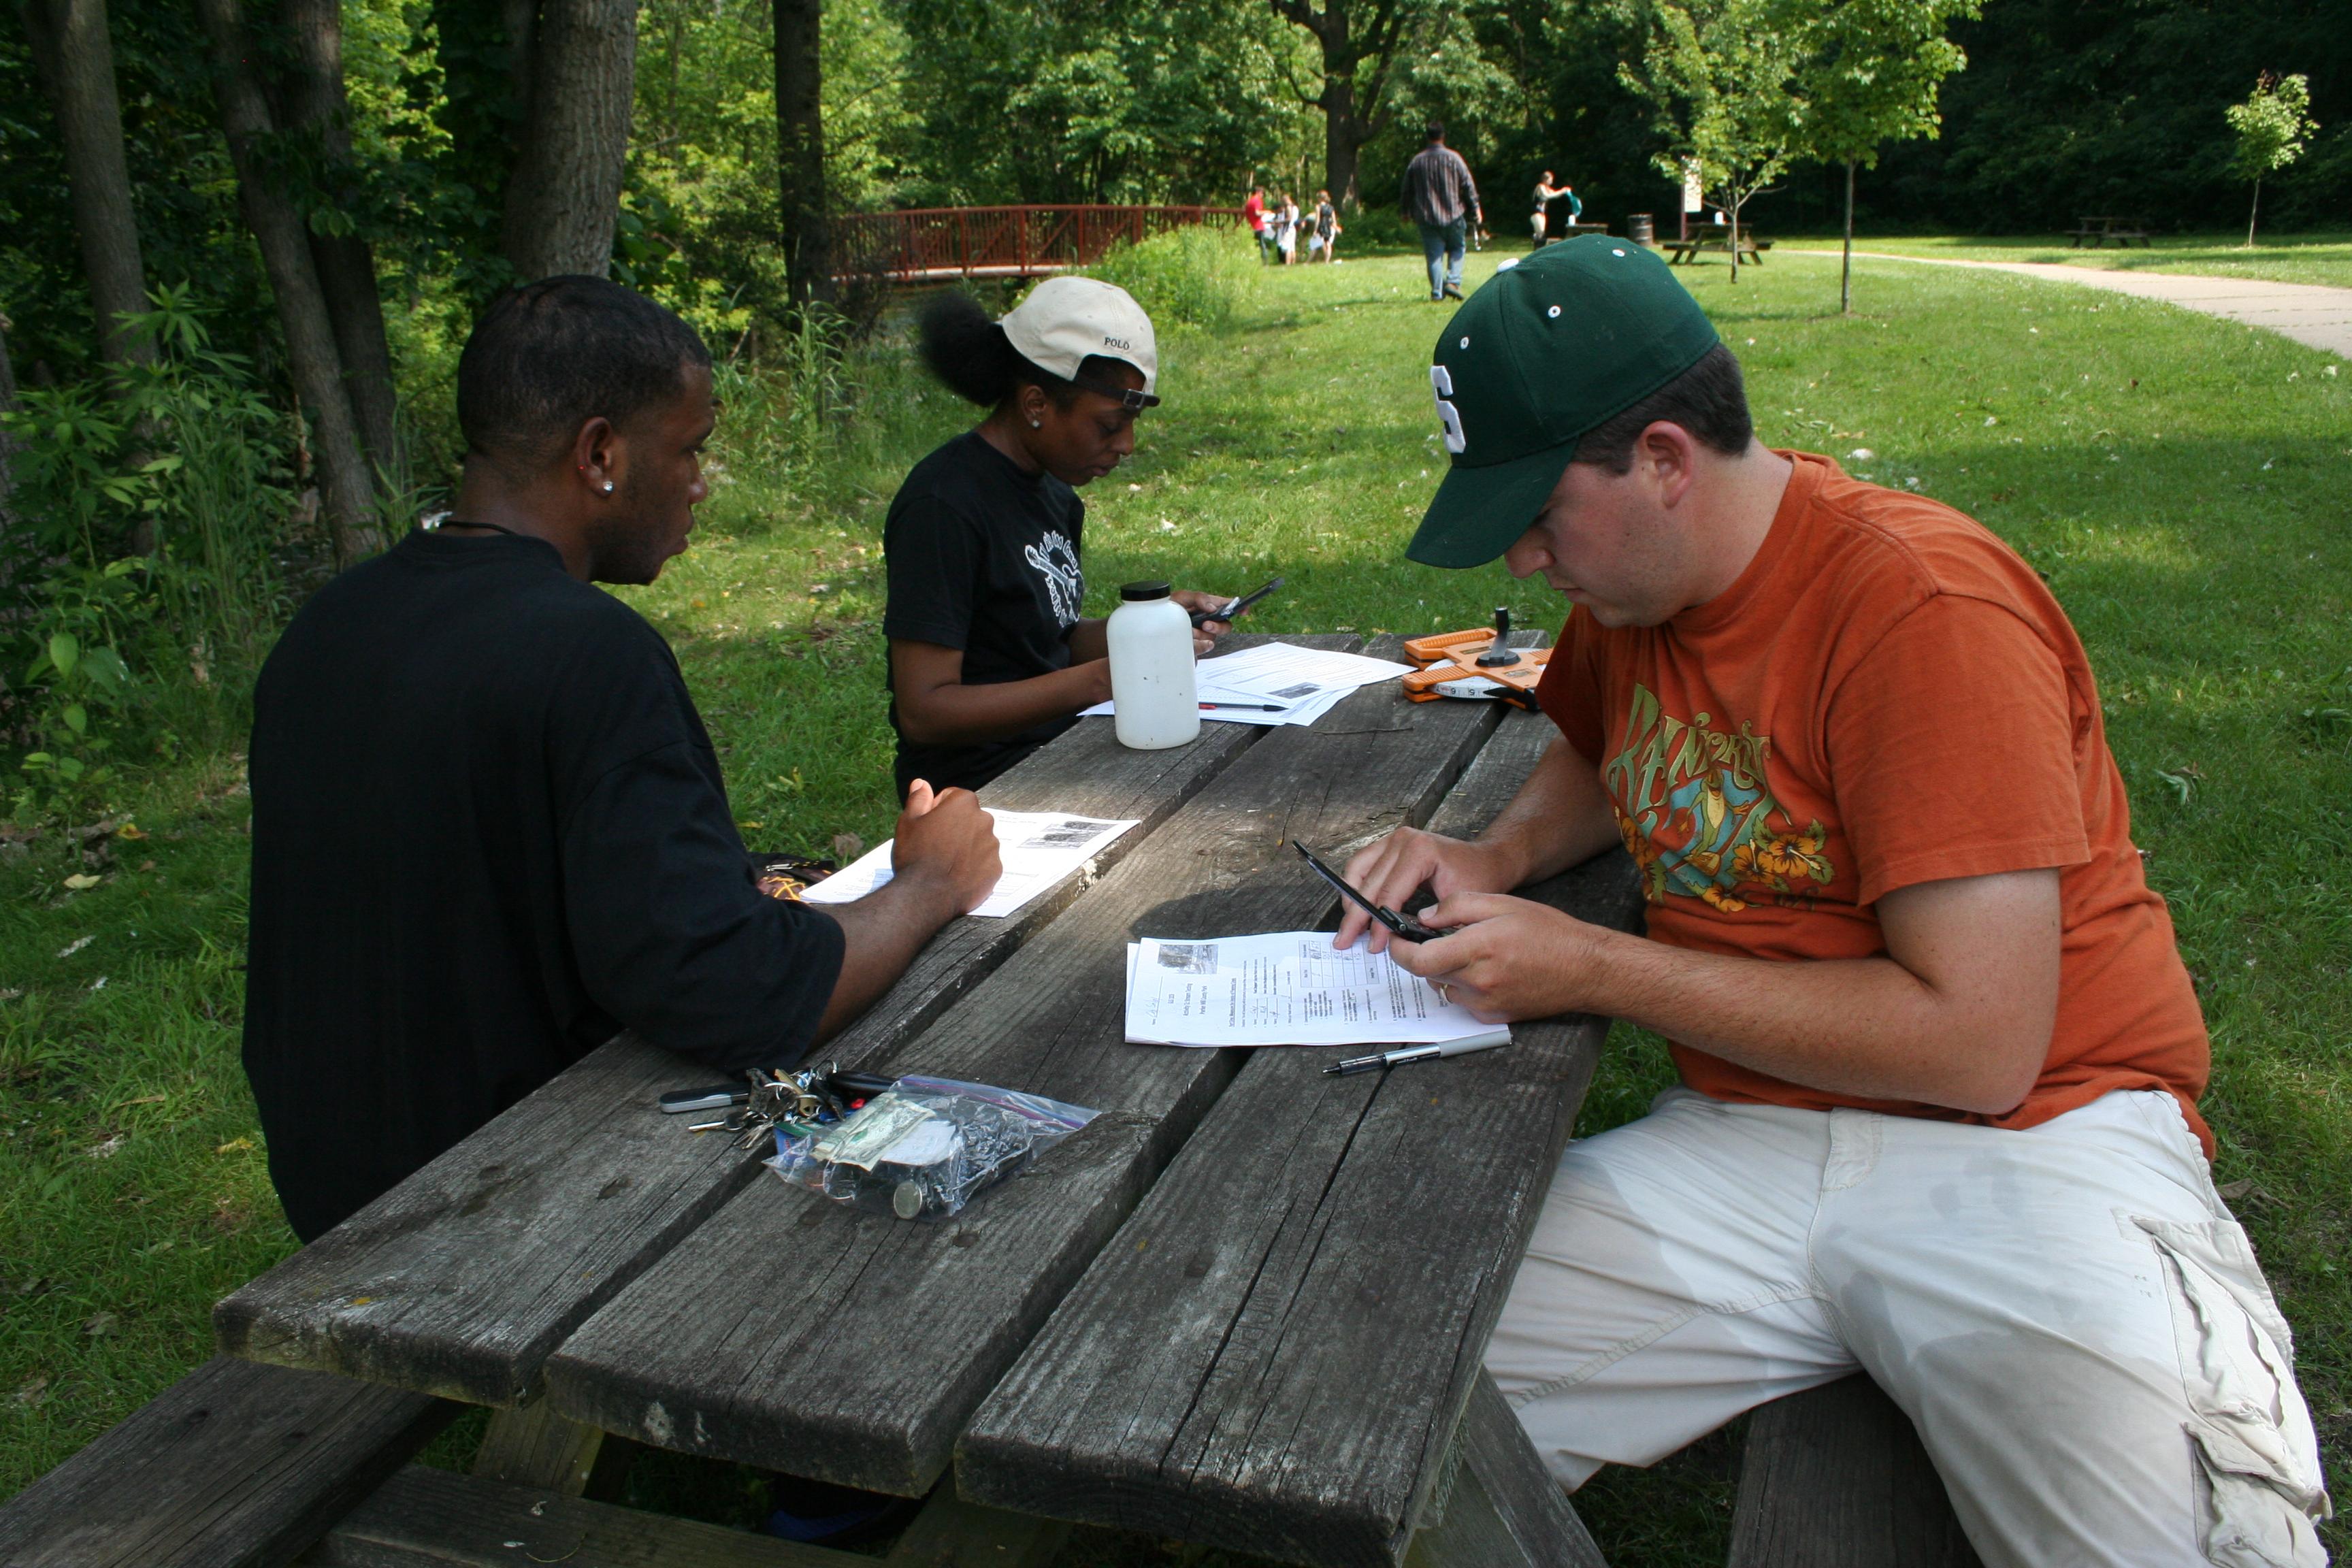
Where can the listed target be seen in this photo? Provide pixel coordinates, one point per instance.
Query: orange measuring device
(1477, 664)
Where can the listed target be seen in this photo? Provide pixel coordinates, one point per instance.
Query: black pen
(1404, 926)
(1235, 607)
(1397, 1059)
(1249, 707)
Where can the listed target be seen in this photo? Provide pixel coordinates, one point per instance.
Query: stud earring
(608, 487)
(1037, 425)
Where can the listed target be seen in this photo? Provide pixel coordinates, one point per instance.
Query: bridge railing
(928, 245)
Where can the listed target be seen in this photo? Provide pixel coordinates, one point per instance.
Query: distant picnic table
(2096, 232)
(1715, 238)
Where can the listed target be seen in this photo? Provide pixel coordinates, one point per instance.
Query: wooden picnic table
(1714, 237)
(2097, 231)
(1165, 1324)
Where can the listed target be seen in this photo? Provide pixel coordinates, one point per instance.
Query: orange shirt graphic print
(1695, 808)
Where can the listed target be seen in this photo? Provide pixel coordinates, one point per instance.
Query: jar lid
(1134, 591)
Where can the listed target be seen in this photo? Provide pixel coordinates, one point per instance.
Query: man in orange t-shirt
(1940, 1056)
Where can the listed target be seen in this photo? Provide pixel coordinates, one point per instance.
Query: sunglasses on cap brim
(1126, 398)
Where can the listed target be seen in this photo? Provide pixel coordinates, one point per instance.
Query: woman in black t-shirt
(990, 657)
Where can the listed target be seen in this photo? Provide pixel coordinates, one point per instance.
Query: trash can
(1638, 229)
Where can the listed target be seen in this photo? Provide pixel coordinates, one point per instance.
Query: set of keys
(793, 1103)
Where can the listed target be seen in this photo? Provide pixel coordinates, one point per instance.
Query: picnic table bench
(2096, 232)
(1245, 1307)
(1714, 237)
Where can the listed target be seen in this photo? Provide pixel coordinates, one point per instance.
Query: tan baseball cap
(1064, 320)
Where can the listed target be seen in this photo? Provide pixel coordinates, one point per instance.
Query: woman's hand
(1205, 635)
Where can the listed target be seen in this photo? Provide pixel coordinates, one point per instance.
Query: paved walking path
(2308, 313)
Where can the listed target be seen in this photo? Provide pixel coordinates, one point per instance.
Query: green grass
(2288, 259)
(2179, 479)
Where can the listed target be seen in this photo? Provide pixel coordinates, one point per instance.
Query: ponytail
(960, 345)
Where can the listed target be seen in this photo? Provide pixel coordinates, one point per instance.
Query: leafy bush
(82, 682)
(1379, 228)
(1202, 276)
(148, 512)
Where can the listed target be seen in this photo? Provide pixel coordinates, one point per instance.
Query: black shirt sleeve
(670, 934)
(934, 558)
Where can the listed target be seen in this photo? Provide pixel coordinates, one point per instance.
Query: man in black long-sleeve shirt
(489, 829)
(1442, 199)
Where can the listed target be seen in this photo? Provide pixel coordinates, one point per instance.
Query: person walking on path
(1253, 213)
(1940, 1059)
(1442, 199)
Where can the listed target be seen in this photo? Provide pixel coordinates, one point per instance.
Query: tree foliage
(2273, 126)
(1068, 101)
(1871, 74)
(1724, 78)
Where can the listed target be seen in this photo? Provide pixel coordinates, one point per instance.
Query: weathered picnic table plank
(1272, 1353)
(433, 1519)
(1505, 1510)
(801, 1335)
(460, 1281)
(1836, 1477)
(234, 1466)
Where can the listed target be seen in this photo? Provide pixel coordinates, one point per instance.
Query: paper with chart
(1285, 988)
(1038, 849)
(1301, 683)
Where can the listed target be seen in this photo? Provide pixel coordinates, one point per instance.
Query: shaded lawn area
(2325, 258)
(2178, 479)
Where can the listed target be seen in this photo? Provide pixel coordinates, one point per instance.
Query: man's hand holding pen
(1506, 958)
(1391, 871)
(1502, 957)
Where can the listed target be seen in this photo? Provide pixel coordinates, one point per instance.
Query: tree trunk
(565, 195)
(7, 445)
(1343, 138)
(284, 240)
(345, 264)
(76, 60)
(800, 149)
(1845, 268)
(1733, 215)
(518, 19)
(1348, 119)
(2253, 212)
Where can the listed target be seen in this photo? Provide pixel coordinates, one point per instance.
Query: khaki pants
(2069, 1315)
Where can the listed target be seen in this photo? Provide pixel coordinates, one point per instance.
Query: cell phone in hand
(1404, 926)
(1235, 606)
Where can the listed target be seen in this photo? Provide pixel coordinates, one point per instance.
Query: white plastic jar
(1155, 700)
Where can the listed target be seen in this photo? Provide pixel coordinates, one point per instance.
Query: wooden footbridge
(939, 245)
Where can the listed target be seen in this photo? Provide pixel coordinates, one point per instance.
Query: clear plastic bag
(922, 1149)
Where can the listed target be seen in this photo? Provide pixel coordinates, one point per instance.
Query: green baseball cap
(1566, 341)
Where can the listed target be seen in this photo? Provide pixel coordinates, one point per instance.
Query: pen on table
(1252, 707)
(1418, 1053)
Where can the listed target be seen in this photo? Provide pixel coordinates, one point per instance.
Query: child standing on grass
(989, 657)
